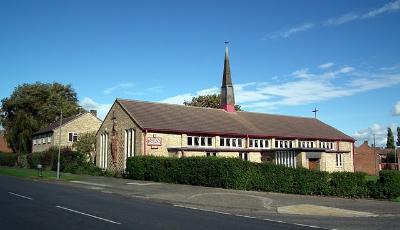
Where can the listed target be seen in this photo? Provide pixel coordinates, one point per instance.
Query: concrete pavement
(328, 212)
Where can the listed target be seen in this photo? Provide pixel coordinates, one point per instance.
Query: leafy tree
(390, 139)
(86, 144)
(33, 106)
(208, 101)
(398, 136)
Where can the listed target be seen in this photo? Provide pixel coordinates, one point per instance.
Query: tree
(390, 139)
(86, 145)
(398, 136)
(33, 106)
(208, 101)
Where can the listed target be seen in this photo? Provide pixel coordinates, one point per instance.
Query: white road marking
(25, 197)
(88, 183)
(250, 217)
(85, 214)
(141, 184)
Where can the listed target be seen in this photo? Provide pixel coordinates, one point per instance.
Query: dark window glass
(190, 140)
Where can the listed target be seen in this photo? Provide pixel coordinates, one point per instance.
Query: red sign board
(154, 141)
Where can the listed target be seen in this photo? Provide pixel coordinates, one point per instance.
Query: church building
(133, 128)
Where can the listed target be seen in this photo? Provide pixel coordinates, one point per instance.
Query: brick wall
(365, 159)
(3, 145)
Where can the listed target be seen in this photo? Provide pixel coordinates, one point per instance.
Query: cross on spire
(315, 112)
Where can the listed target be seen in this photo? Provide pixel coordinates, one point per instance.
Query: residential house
(71, 128)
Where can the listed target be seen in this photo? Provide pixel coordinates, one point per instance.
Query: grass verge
(34, 174)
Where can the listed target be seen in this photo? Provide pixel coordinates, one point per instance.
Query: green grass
(34, 174)
(371, 178)
(397, 199)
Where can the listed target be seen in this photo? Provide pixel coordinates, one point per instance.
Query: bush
(228, 173)
(389, 184)
(238, 174)
(348, 184)
(8, 159)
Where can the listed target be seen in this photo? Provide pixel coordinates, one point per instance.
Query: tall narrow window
(103, 150)
(339, 159)
(129, 146)
(244, 156)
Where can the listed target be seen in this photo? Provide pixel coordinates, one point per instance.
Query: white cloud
(179, 99)
(291, 31)
(303, 87)
(326, 65)
(367, 134)
(396, 109)
(102, 109)
(118, 87)
(387, 8)
(343, 19)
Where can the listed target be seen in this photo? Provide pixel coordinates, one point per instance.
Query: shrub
(8, 159)
(389, 184)
(238, 174)
(348, 184)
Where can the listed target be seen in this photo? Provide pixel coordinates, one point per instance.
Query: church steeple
(227, 93)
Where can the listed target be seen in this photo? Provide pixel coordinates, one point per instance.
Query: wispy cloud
(326, 65)
(396, 109)
(303, 87)
(179, 99)
(289, 32)
(339, 20)
(387, 8)
(342, 19)
(102, 109)
(367, 134)
(118, 87)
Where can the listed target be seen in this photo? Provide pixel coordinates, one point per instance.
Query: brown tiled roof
(187, 119)
(56, 124)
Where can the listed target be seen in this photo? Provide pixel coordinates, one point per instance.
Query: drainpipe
(144, 142)
(354, 167)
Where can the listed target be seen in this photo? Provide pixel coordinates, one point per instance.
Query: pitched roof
(188, 119)
(56, 124)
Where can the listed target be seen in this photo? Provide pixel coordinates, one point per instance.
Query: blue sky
(287, 57)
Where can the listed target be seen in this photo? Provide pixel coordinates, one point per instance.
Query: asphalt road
(26, 204)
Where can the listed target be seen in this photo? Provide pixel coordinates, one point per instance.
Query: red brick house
(4, 145)
(371, 160)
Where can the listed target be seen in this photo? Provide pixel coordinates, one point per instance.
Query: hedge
(8, 159)
(238, 174)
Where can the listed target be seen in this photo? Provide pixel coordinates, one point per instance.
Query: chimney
(94, 112)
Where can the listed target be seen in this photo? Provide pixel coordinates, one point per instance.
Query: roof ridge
(169, 104)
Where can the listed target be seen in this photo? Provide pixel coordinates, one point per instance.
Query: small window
(190, 141)
(234, 142)
(221, 142)
(251, 143)
(72, 137)
(240, 142)
(244, 156)
(49, 139)
(213, 154)
(203, 141)
(196, 141)
(228, 142)
(209, 141)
